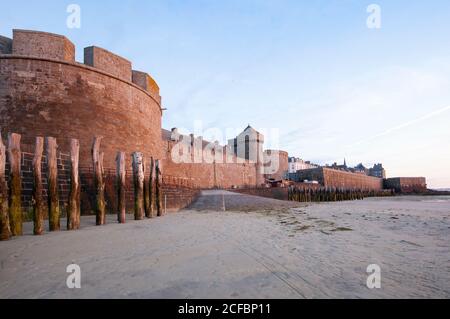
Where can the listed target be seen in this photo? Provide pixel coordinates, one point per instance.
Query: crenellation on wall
(42, 45)
(145, 81)
(108, 62)
(5, 45)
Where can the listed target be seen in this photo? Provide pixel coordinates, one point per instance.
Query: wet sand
(256, 248)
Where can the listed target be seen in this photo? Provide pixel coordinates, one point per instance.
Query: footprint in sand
(410, 243)
(303, 228)
(341, 229)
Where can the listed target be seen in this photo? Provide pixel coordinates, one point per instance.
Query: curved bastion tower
(45, 92)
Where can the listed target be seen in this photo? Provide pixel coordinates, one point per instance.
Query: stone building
(249, 144)
(377, 171)
(297, 164)
(360, 169)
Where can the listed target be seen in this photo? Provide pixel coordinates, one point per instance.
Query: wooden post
(158, 191)
(15, 187)
(121, 178)
(224, 208)
(99, 184)
(5, 230)
(146, 192)
(38, 204)
(53, 197)
(151, 188)
(74, 210)
(138, 175)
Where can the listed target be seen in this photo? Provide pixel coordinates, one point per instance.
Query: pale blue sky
(313, 69)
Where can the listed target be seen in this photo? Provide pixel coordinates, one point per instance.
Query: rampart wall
(207, 175)
(276, 164)
(340, 179)
(406, 184)
(45, 92)
(335, 178)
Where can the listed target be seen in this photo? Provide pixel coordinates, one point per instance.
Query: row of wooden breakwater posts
(333, 194)
(147, 192)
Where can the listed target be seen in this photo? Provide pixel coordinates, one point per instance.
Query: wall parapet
(42, 44)
(56, 47)
(109, 62)
(145, 81)
(82, 66)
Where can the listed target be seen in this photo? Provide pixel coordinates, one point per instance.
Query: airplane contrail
(401, 126)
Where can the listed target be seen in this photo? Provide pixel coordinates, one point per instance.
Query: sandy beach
(256, 248)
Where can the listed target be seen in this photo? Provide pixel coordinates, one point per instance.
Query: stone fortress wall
(406, 185)
(45, 92)
(276, 164)
(220, 173)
